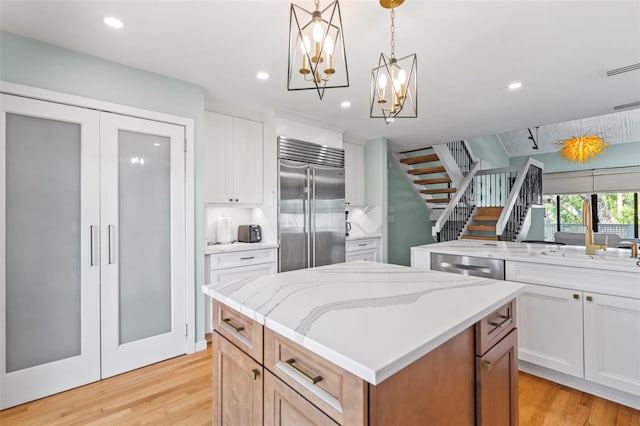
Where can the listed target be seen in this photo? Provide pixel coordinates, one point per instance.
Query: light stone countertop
(226, 248)
(372, 319)
(611, 259)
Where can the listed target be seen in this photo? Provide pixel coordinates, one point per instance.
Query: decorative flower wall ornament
(582, 148)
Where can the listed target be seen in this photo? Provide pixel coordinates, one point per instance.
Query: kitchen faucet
(590, 248)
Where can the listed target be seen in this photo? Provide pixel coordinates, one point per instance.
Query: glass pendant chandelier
(582, 149)
(317, 58)
(394, 87)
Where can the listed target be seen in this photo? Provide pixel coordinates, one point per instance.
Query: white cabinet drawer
(242, 258)
(356, 245)
(251, 271)
(370, 255)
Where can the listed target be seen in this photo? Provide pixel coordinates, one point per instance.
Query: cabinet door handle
(230, 199)
(589, 299)
(236, 328)
(255, 373)
(487, 365)
(247, 258)
(505, 319)
(312, 379)
(576, 296)
(237, 200)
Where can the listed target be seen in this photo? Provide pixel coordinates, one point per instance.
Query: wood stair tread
(429, 158)
(427, 170)
(438, 200)
(438, 191)
(415, 150)
(432, 181)
(484, 218)
(481, 228)
(480, 237)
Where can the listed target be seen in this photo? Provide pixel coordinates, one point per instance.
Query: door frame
(189, 125)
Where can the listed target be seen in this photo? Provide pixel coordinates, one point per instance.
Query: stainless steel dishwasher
(468, 265)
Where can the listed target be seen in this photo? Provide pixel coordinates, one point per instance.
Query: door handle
(111, 239)
(92, 243)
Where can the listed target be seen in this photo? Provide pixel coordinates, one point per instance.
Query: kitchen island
(578, 317)
(364, 343)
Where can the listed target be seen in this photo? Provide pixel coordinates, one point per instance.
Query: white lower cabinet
(612, 341)
(583, 334)
(237, 265)
(366, 249)
(550, 328)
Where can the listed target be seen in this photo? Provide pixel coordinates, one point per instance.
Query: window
(616, 213)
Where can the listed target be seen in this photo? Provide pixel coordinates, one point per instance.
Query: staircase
(466, 202)
(429, 175)
(482, 225)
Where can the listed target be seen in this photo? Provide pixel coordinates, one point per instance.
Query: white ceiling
(615, 128)
(468, 52)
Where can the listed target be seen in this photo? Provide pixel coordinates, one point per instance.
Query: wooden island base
(470, 379)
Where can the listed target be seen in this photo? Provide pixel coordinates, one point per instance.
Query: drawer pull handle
(236, 328)
(362, 245)
(505, 319)
(247, 258)
(487, 365)
(291, 363)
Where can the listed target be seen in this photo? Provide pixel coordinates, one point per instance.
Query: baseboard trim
(201, 345)
(583, 385)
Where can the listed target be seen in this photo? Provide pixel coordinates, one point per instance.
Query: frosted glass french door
(143, 242)
(49, 263)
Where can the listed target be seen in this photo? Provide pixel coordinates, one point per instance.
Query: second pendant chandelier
(394, 81)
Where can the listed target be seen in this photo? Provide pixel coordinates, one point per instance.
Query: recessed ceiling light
(262, 75)
(113, 22)
(346, 104)
(515, 85)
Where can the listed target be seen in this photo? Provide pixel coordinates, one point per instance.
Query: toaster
(249, 233)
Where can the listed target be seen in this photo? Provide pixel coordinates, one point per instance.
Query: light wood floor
(178, 392)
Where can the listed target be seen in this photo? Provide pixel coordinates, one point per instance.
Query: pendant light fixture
(317, 58)
(582, 149)
(394, 87)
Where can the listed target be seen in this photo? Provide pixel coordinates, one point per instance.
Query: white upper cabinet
(233, 160)
(354, 174)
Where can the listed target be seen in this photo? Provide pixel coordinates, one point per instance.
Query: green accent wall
(490, 151)
(37, 64)
(375, 173)
(617, 155)
(409, 224)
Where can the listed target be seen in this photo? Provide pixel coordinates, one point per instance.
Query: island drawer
(284, 406)
(242, 258)
(239, 329)
(492, 328)
(338, 393)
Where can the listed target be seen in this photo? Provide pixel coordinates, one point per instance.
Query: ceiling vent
(628, 68)
(627, 106)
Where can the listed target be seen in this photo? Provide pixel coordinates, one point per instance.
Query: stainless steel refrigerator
(311, 218)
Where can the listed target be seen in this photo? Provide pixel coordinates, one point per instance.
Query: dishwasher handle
(448, 265)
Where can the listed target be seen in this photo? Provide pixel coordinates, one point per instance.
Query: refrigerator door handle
(309, 231)
(312, 217)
